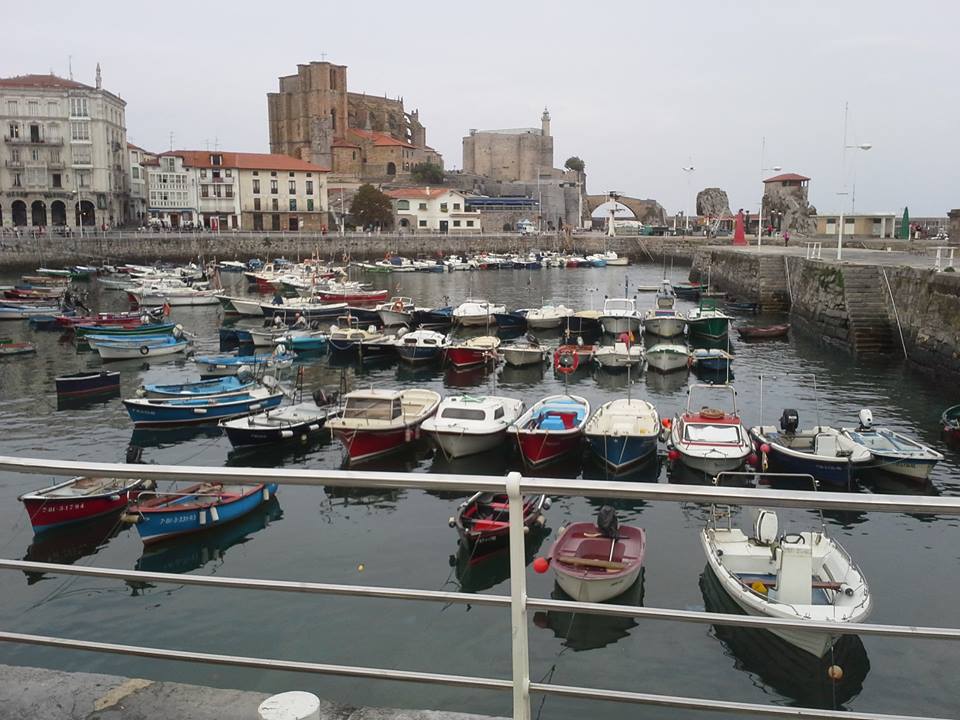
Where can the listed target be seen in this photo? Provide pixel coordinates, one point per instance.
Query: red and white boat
(709, 439)
(353, 296)
(377, 422)
(79, 499)
(550, 429)
(473, 352)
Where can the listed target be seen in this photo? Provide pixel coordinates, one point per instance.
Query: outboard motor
(866, 419)
(607, 522)
(789, 421)
(323, 398)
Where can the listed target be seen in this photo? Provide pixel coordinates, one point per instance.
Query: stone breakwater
(854, 306)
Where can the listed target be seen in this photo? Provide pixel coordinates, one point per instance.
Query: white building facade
(63, 159)
(172, 193)
(426, 209)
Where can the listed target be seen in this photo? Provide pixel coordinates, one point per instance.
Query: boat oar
(591, 562)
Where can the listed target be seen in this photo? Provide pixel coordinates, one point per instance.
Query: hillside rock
(713, 202)
(799, 216)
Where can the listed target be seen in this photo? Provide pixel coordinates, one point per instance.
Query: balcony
(32, 141)
(14, 164)
(55, 164)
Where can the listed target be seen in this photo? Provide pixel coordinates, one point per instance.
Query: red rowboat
(473, 352)
(769, 331)
(359, 297)
(483, 520)
(551, 428)
(78, 499)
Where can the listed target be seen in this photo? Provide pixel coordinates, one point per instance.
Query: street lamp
(687, 171)
(861, 146)
(775, 168)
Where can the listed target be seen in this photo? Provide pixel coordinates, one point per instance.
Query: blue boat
(623, 433)
(229, 336)
(226, 385)
(712, 359)
(306, 342)
(438, 317)
(45, 322)
(156, 412)
(159, 339)
(87, 383)
(217, 365)
(515, 320)
(200, 507)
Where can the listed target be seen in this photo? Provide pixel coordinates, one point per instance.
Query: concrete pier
(39, 694)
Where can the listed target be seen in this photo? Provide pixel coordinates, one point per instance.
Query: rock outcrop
(713, 202)
(799, 216)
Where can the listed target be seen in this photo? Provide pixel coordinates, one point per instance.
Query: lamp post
(861, 146)
(687, 171)
(775, 168)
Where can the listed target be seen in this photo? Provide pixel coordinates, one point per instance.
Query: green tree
(427, 173)
(574, 163)
(370, 207)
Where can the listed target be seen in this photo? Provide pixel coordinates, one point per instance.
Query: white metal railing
(944, 258)
(515, 486)
(813, 250)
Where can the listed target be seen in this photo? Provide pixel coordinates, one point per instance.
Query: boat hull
(837, 474)
(419, 353)
(595, 591)
(136, 350)
(158, 415)
(664, 326)
(368, 444)
(619, 452)
(523, 357)
(667, 361)
(463, 357)
(49, 513)
(458, 444)
(710, 328)
(541, 448)
(616, 324)
(89, 384)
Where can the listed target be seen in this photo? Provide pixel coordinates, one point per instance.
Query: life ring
(144, 349)
(711, 413)
(566, 362)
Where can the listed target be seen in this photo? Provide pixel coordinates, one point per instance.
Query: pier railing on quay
(514, 485)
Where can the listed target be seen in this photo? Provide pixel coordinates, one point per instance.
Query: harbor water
(401, 538)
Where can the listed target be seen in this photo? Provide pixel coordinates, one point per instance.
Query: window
(456, 223)
(216, 160)
(215, 174)
(134, 172)
(78, 107)
(422, 223)
(293, 204)
(256, 187)
(228, 190)
(12, 108)
(403, 204)
(81, 155)
(204, 191)
(274, 221)
(17, 180)
(273, 187)
(35, 155)
(83, 180)
(79, 131)
(291, 175)
(33, 108)
(256, 204)
(203, 173)
(170, 165)
(309, 174)
(443, 207)
(274, 204)
(293, 187)
(310, 204)
(15, 156)
(456, 206)
(273, 173)
(423, 206)
(309, 187)
(257, 221)
(228, 172)
(256, 172)
(469, 223)
(14, 130)
(218, 190)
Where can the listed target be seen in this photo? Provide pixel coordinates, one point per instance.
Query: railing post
(518, 602)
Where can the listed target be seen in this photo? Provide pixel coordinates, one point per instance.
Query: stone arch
(38, 213)
(84, 210)
(18, 213)
(391, 168)
(58, 213)
(508, 227)
(404, 222)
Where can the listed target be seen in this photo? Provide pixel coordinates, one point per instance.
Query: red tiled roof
(342, 144)
(786, 176)
(379, 139)
(425, 193)
(244, 161)
(42, 81)
(131, 146)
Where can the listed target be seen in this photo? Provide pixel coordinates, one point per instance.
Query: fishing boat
(288, 310)
(396, 311)
(421, 346)
(550, 429)
(474, 313)
(123, 330)
(524, 352)
(200, 507)
(23, 312)
(706, 321)
(619, 316)
(17, 348)
(219, 365)
(87, 383)
(547, 317)
(78, 499)
(765, 332)
(618, 356)
(804, 576)
(663, 319)
(623, 432)
(131, 348)
(158, 412)
(483, 520)
(376, 422)
(173, 296)
(710, 440)
(473, 351)
(823, 452)
(596, 562)
(293, 422)
(584, 323)
(466, 424)
(892, 452)
(667, 357)
(347, 335)
(742, 307)
(689, 291)
(221, 386)
(711, 359)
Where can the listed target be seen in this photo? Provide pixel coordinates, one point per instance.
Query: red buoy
(541, 565)
(765, 448)
(673, 455)
(752, 459)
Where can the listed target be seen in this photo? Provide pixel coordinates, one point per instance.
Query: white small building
(427, 209)
(137, 212)
(172, 192)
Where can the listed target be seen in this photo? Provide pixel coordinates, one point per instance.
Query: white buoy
(294, 705)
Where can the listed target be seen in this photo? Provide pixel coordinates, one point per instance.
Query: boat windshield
(455, 413)
(713, 434)
(372, 408)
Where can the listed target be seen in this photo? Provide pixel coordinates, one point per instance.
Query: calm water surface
(401, 538)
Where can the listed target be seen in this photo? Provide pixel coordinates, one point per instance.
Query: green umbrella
(905, 225)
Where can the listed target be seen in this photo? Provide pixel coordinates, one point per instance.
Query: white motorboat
(466, 425)
(173, 296)
(476, 312)
(667, 357)
(663, 319)
(269, 336)
(616, 260)
(524, 352)
(247, 307)
(396, 311)
(798, 576)
(709, 439)
(421, 346)
(548, 316)
(893, 452)
(619, 315)
(618, 355)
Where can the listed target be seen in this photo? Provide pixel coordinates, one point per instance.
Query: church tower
(545, 123)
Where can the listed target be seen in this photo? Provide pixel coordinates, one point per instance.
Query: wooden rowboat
(768, 331)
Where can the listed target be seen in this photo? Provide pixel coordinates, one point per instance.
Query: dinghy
(174, 412)
(892, 452)
(483, 520)
(78, 499)
(473, 351)
(476, 313)
(550, 429)
(711, 359)
(87, 383)
(524, 352)
(547, 317)
(761, 333)
(132, 348)
(291, 423)
(619, 355)
(221, 386)
(466, 425)
(17, 348)
(623, 432)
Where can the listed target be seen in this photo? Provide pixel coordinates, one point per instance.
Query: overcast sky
(637, 89)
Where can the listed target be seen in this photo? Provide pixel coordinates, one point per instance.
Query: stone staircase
(870, 329)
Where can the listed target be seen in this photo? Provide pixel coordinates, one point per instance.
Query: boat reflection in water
(782, 667)
(647, 471)
(490, 462)
(186, 553)
(481, 571)
(666, 383)
(467, 377)
(168, 437)
(68, 544)
(88, 402)
(583, 631)
(524, 376)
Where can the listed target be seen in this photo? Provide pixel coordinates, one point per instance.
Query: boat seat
(826, 444)
(555, 420)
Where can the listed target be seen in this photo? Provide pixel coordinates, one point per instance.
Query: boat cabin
(473, 409)
(619, 306)
(368, 406)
